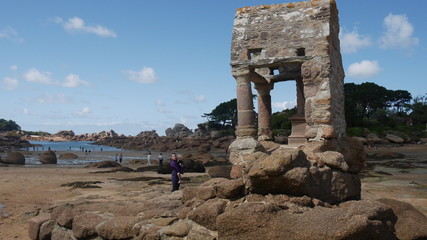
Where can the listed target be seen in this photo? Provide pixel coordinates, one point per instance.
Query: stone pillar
(298, 121)
(264, 111)
(245, 142)
(245, 107)
(300, 97)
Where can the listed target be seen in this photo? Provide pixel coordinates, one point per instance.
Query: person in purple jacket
(176, 172)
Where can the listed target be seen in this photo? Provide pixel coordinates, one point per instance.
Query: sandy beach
(27, 190)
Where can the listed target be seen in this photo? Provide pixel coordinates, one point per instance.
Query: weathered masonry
(289, 42)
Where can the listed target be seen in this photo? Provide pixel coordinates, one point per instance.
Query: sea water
(87, 152)
(70, 146)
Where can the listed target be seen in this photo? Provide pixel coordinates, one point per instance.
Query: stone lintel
(270, 62)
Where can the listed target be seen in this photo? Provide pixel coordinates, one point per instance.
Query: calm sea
(87, 152)
(71, 146)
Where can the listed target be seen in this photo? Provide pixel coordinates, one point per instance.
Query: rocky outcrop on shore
(325, 170)
(11, 141)
(219, 209)
(16, 158)
(389, 138)
(68, 135)
(48, 157)
(178, 131)
(177, 138)
(150, 140)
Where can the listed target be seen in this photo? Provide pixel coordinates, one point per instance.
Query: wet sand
(406, 181)
(27, 190)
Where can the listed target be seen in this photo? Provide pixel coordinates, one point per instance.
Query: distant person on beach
(149, 159)
(160, 158)
(121, 157)
(176, 172)
(116, 157)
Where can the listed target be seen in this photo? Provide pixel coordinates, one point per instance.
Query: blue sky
(133, 66)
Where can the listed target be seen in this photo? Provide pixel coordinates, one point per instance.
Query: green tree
(224, 115)
(280, 120)
(371, 97)
(369, 104)
(399, 99)
(419, 110)
(8, 125)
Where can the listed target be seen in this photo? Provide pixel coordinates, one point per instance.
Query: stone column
(245, 142)
(245, 106)
(264, 111)
(298, 121)
(300, 97)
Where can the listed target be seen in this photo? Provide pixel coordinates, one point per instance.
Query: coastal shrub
(356, 132)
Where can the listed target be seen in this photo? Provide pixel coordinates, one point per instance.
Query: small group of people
(119, 158)
(176, 165)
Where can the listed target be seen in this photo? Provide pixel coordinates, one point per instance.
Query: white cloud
(77, 25)
(9, 83)
(14, 68)
(26, 111)
(72, 81)
(398, 32)
(351, 42)
(363, 69)
(146, 75)
(200, 98)
(284, 105)
(84, 112)
(34, 75)
(163, 110)
(47, 98)
(10, 34)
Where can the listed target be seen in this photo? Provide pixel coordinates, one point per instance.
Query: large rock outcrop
(48, 157)
(352, 220)
(178, 131)
(411, 224)
(326, 170)
(14, 158)
(12, 140)
(219, 209)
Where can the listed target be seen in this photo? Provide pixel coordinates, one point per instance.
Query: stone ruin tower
(293, 42)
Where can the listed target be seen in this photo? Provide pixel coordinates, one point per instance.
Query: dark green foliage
(223, 116)
(369, 105)
(419, 110)
(37, 133)
(280, 121)
(357, 131)
(8, 125)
